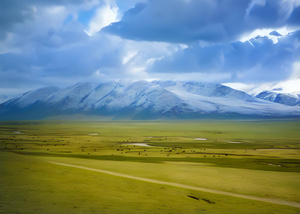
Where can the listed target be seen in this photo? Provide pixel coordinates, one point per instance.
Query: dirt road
(268, 200)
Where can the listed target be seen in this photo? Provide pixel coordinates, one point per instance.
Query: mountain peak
(143, 100)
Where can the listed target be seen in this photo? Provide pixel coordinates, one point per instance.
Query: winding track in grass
(268, 200)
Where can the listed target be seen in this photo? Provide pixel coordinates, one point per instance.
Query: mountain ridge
(142, 100)
(280, 97)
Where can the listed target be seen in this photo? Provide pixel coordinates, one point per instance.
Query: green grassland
(256, 158)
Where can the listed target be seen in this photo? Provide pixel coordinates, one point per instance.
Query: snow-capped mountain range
(278, 96)
(3, 98)
(142, 100)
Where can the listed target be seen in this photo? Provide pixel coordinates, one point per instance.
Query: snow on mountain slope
(135, 96)
(207, 89)
(112, 99)
(3, 98)
(32, 97)
(128, 95)
(142, 100)
(290, 99)
(227, 105)
(288, 86)
(157, 99)
(97, 94)
(70, 97)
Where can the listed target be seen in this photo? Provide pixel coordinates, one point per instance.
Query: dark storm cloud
(181, 21)
(19, 11)
(12, 12)
(41, 46)
(256, 60)
(52, 59)
(44, 42)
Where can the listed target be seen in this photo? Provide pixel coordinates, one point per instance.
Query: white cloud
(154, 59)
(47, 40)
(54, 10)
(135, 70)
(291, 85)
(97, 76)
(266, 32)
(253, 3)
(103, 17)
(128, 57)
(296, 71)
(199, 77)
(240, 86)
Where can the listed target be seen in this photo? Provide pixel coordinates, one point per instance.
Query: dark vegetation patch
(204, 199)
(219, 144)
(289, 165)
(208, 201)
(193, 197)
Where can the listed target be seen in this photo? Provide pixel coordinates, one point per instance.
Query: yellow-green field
(193, 167)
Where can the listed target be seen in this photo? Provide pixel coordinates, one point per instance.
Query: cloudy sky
(243, 43)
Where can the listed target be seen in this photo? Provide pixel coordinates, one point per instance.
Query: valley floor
(105, 167)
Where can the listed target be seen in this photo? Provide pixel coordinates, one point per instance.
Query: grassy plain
(256, 158)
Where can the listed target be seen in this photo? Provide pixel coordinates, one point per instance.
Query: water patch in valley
(139, 144)
(233, 142)
(200, 138)
(18, 132)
